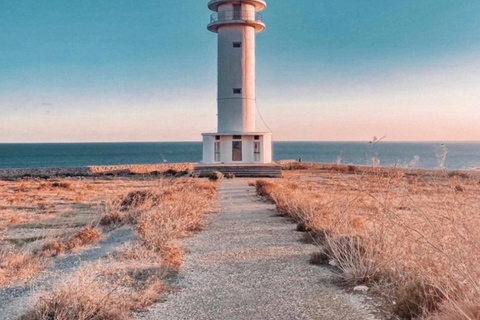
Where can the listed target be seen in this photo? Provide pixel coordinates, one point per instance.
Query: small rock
(333, 263)
(361, 288)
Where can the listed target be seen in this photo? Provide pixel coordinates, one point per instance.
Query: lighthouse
(236, 23)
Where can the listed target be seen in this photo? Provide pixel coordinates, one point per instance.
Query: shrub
(355, 260)
(86, 236)
(317, 237)
(215, 175)
(172, 256)
(112, 218)
(302, 227)
(62, 185)
(101, 293)
(170, 172)
(138, 198)
(294, 165)
(265, 189)
(319, 258)
(413, 299)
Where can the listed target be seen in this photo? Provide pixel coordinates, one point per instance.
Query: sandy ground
(249, 264)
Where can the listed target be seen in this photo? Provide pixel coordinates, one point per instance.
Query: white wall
(208, 156)
(266, 146)
(236, 69)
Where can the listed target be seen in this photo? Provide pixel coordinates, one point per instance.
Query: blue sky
(326, 70)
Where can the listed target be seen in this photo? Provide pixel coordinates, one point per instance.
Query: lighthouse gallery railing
(236, 15)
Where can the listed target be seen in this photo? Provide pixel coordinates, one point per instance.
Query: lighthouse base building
(237, 148)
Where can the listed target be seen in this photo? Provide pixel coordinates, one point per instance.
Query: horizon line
(199, 141)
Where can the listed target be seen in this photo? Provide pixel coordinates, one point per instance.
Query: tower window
(237, 137)
(237, 90)
(217, 137)
(237, 11)
(256, 137)
(237, 44)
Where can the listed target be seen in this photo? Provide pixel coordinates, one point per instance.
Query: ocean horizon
(425, 155)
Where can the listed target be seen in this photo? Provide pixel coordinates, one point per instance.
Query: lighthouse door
(237, 151)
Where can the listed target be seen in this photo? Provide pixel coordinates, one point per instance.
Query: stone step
(257, 171)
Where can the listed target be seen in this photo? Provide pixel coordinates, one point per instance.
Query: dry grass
(417, 234)
(86, 236)
(35, 214)
(101, 292)
(133, 278)
(16, 265)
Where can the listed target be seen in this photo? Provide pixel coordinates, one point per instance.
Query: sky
(327, 70)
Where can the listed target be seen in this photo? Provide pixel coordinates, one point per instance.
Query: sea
(427, 155)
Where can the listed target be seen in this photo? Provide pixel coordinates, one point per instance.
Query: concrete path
(249, 264)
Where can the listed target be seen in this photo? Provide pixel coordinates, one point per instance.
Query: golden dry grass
(101, 292)
(38, 216)
(417, 234)
(86, 236)
(133, 277)
(16, 265)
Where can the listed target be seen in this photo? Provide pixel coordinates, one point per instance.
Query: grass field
(412, 237)
(45, 218)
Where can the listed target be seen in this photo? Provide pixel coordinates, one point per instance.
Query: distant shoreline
(162, 168)
(92, 171)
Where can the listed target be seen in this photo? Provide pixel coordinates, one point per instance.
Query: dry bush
(136, 252)
(215, 175)
(138, 198)
(414, 298)
(182, 213)
(172, 256)
(62, 185)
(86, 236)
(468, 309)
(384, 226)
(317, 237)
(101, 292)
(293, 165)
(356, 261)
(265, 189)
(113, 213)
(112, 218)
(320, 258)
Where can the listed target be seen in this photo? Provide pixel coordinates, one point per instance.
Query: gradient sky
(117, 70)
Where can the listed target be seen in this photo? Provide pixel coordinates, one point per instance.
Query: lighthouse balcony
(222, 18)
(259, 4)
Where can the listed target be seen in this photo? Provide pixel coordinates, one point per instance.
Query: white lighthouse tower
(236, 141)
